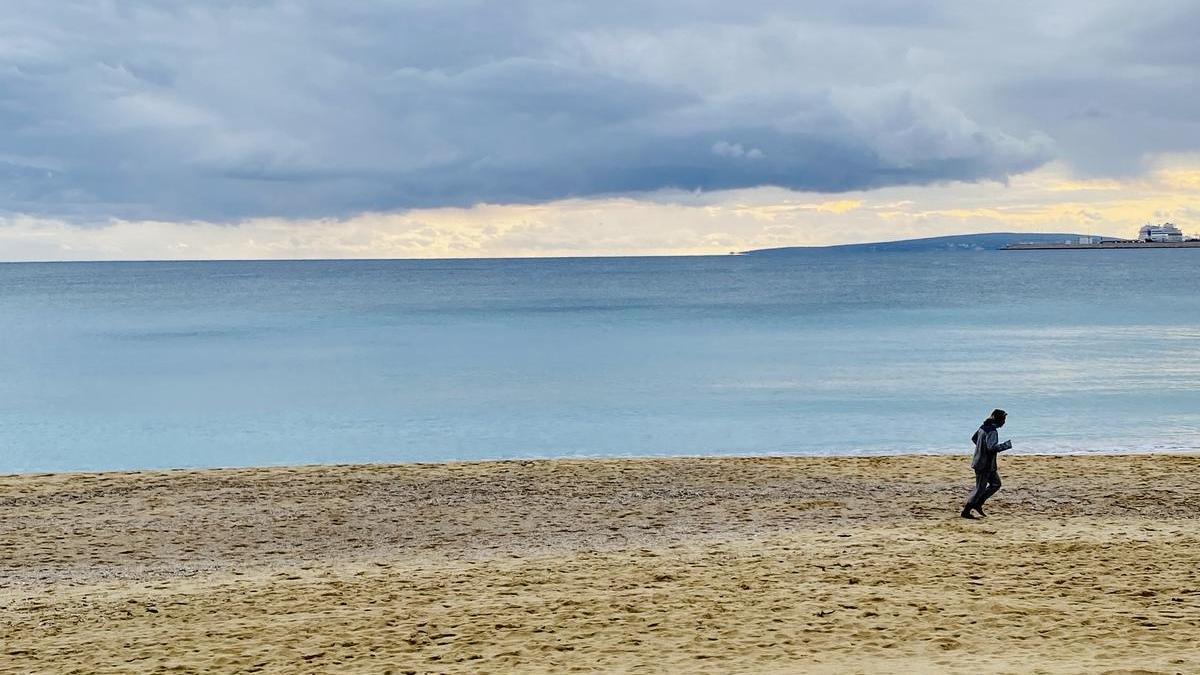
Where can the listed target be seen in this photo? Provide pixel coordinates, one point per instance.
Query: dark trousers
(987, 482)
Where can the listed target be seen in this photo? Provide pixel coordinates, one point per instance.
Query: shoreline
(719, 564)
(1102, 245)
(1190, 452)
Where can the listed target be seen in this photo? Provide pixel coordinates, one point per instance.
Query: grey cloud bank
(229, 110)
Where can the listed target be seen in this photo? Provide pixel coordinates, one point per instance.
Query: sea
(149, 365)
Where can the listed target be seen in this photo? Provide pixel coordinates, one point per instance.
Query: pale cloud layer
(365, 127)
(663, 223)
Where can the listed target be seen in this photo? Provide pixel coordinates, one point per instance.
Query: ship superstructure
(1163, 233)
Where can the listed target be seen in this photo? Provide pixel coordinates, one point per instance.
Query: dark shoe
(966, 513)
(979, 510)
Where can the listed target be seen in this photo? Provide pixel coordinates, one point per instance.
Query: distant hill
(959, 242)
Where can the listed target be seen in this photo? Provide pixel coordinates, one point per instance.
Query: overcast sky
(430, 128)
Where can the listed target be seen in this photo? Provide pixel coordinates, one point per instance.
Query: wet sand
(1087, 564)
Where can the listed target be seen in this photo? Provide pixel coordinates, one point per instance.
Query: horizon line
(530, 257)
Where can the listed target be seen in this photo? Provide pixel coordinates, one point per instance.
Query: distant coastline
(1031, 246)
(988, 241)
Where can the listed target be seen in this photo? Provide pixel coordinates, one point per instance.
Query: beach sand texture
(1087, 564)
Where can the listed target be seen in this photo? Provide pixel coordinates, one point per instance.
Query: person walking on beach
(987, 473)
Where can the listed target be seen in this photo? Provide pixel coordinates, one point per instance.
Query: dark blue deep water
(141, 365)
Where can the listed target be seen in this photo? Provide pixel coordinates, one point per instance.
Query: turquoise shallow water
(147, 365)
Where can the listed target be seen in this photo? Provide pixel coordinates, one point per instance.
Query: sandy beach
(1087, 564)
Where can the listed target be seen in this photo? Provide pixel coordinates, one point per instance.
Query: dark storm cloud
(223, 110)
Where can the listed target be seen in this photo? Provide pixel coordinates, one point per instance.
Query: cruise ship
(1161, 233)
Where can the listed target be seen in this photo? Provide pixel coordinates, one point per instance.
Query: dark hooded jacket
(987, 446)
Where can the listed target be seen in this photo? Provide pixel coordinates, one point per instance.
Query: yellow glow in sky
(665, 223)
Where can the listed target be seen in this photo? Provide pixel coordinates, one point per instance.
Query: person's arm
(993, 442)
